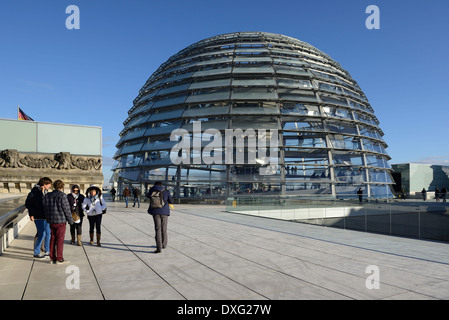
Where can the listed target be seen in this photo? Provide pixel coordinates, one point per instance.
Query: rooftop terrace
(216, 255)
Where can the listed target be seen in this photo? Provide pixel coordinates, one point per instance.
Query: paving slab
(216, 255)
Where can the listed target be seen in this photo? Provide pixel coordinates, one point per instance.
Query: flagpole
(18, 112)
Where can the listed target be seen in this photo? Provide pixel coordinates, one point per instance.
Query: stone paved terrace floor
(215, 255)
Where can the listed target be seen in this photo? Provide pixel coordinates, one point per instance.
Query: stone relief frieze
(10, 158)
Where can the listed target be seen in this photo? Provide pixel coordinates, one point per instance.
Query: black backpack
(156, 200)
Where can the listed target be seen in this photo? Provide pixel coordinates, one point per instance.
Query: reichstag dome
(253, 112)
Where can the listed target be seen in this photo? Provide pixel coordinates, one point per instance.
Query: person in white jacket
(94, 206)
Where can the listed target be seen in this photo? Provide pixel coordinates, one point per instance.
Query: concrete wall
(42, 137)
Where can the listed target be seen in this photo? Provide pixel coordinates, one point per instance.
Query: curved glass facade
(319, 130)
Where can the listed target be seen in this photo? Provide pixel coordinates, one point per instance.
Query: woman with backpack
(160, 199)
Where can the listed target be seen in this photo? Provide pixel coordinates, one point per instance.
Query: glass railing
(416, 219)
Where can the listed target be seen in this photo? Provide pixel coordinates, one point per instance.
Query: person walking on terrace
(57, 213)
(94, 206)
(160, 199)
(126, 194)
(35, 205)
(437, 194)
(443, 193)
(424, 194)
(136, 196)
(360, 194)
(76, 200)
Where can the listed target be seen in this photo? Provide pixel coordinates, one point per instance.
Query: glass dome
(320, 132)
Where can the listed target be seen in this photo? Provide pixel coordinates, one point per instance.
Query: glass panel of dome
(138, 120)
(340, 127)
(305, 142)
(333, 100)
(254, 108)
(143, 108)
(159, 145)
(382, 191)
(294, 83)
(157, 158)
(330, 87)
(254, 94)
(370, 145)
(173, 89)
(251, 51)
(337, 112)
(350, 175)
(289, 70)
(347, 159)
(130, 175)
(210, 124)
(307, 173)
(303, 125)
(226, 60)
(252, 70)
(209, 95)
(207, 109)
(177, 77)
(250, 60)
(210, 84)
(132, 134)
(364, 118)
(254, 82)
(369, 132)
(254, 123)
(285, 61)
(378, 176)
(160, 130)
(213, 72)
(148, 96)
(344, 142)
(305, 156)
(131, 148)
(359, 106)
(166, 115)
(299, 108)
(169, 101)
(297, 95)
(249, 174)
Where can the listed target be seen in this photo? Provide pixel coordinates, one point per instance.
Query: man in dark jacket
(57, 213)
(35, 205)
(160, 199)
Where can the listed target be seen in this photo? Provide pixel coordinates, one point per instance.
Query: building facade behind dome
(329, 140)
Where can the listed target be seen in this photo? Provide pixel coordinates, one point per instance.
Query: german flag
(23, 116)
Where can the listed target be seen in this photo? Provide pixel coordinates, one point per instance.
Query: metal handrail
(10, 209)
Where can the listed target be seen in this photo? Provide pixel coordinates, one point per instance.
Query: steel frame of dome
(329, 138)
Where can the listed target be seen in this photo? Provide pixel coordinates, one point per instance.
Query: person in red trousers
(57, 214)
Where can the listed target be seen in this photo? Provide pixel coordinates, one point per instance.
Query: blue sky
(91, 76)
